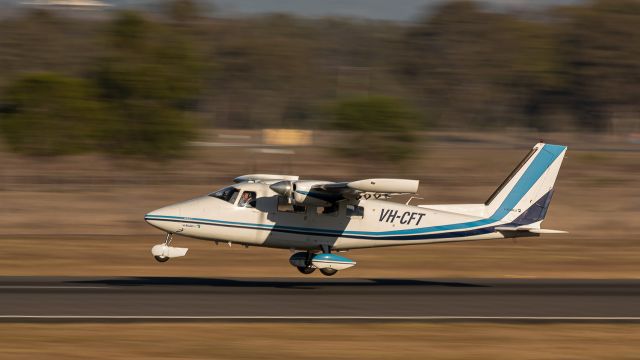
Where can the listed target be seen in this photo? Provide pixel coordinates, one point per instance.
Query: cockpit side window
(228, 194)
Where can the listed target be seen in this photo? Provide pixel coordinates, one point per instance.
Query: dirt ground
(320, 341)
(83, 215)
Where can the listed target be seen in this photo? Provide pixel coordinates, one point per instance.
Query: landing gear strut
(308, 268)
(167, 241)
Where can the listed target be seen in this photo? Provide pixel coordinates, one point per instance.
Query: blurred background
(110, 109)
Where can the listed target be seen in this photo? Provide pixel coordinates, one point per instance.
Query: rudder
(524, 197)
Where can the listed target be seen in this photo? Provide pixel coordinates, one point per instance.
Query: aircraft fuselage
(352, 224)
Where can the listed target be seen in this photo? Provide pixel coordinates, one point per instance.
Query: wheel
(328, 271)
(306, 269)
(161, 258)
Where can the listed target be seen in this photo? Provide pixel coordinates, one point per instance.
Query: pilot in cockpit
(248, 199)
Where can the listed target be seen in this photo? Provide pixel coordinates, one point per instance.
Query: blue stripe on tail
(547, 155)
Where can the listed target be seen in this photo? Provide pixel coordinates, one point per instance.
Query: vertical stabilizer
(524, 197)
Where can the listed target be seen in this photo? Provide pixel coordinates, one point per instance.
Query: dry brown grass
(83, 215)
(130, 256)
(320, 341)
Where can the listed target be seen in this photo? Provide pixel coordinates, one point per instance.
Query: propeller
(284, 188)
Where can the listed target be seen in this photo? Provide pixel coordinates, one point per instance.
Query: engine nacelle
(299, 192)
(302, 194)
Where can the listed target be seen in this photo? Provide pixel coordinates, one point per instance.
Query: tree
(479, 68)
(184, 11)
(269, 74)
(150, 77)
(49, 114)
(603, 59)
(381, 127)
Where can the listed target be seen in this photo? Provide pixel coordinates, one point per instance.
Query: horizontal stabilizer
(548, 231)
(530, 229)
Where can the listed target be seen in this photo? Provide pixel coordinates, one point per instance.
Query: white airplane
(316, 218)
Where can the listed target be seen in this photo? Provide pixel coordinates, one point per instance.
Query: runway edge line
(150, 318)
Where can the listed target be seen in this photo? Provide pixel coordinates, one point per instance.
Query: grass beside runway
(48, 206)
(320, 341)
(548, 257)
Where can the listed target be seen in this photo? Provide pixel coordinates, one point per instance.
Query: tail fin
(524, 196)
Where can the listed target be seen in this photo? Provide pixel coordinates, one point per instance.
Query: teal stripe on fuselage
(546, 156)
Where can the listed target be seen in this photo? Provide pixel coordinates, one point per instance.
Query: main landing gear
(306, 269)
(309, 269)
(307, 262)
(304, 265)
(328, 271)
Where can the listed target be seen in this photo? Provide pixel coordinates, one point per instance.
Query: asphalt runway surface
(315, 299)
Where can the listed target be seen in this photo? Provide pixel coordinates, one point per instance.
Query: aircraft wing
(264, 177)
(353, 189)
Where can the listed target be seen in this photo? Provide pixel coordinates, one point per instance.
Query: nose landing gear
(167, 241)
(164, 252)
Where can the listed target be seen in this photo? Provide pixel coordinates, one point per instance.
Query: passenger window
(283, 206)
(355, 211)
(328, 210)
(228, 194)
(248, 199)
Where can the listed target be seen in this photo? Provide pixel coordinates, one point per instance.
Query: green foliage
(380, 127)
(143, 129)
(150, 61)
(128, 30)
(462, 66)
(600, 48)
(480, 68)
(149, 78)
(134, 102)
(182, 11)
(49, 114)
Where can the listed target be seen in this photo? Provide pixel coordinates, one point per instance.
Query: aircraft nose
(164, 217)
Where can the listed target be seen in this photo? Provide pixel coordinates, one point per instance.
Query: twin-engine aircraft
(315, 219)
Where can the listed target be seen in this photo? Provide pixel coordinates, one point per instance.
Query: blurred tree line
(132, 83)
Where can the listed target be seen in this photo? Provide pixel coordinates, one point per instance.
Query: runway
(315, 299)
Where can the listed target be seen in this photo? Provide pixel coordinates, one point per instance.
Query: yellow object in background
(287, 137)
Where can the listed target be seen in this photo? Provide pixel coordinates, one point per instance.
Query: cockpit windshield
(228, 194)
